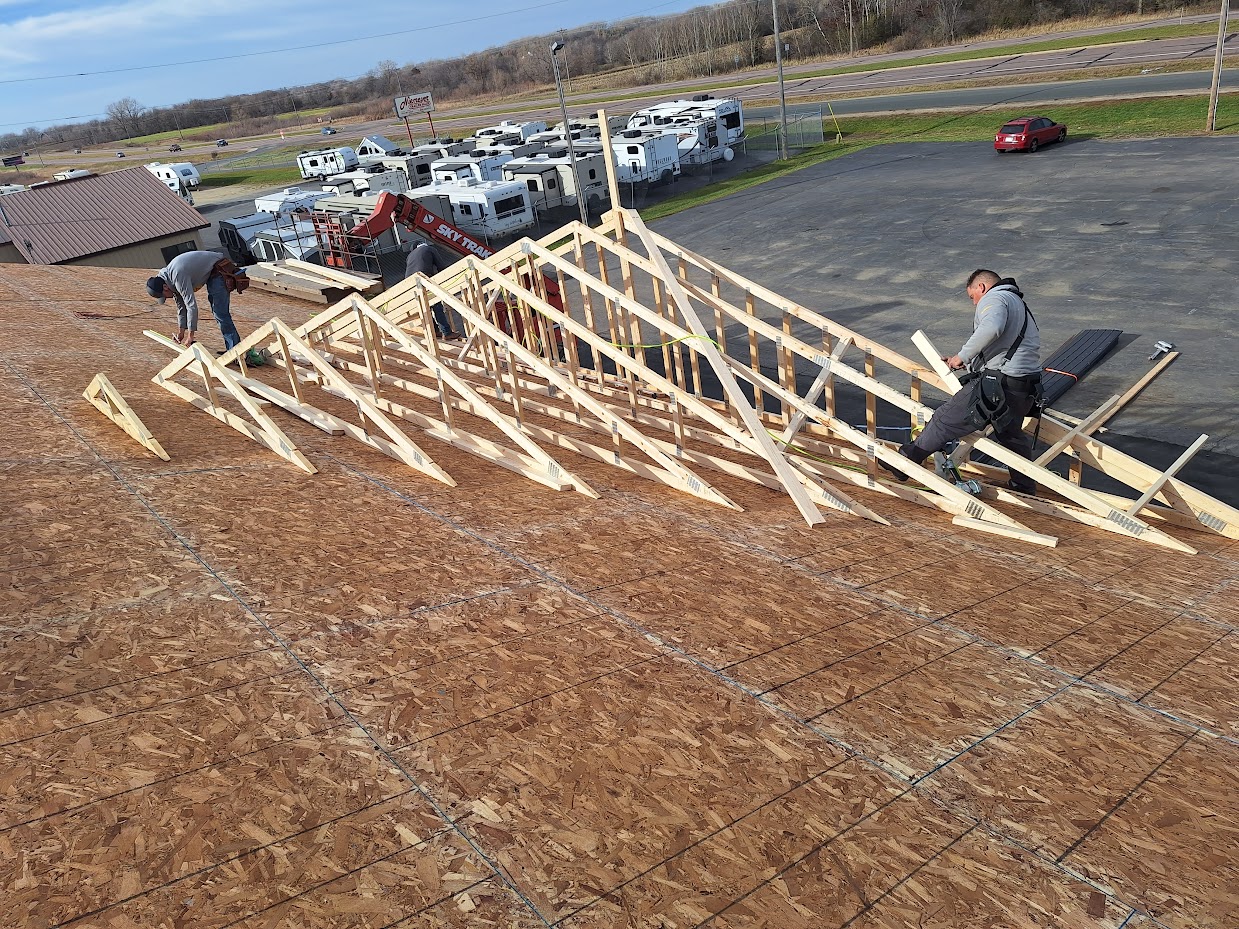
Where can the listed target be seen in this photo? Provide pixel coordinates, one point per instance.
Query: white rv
(69, 175)
(415, 167)
(374, 147)
(325, 162)
(552, 182)
(171, 179)
(523, 129)
(645, 157)
(237, 234)
(487, 208)
(289, 239)
(6, 189)
(355, 182)
(187, 173)
(288, 200)
(474, 166)
(443, 148)
(699, 141)
(728, 111)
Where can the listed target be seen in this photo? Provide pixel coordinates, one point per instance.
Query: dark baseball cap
(154, 287)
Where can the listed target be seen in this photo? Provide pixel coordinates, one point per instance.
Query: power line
(301, 48)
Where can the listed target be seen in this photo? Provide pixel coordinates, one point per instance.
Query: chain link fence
(804, 129)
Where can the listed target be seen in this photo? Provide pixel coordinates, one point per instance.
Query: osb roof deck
(235, 694)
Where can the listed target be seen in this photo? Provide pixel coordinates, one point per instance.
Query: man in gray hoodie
(1000, 316)
(186, 273)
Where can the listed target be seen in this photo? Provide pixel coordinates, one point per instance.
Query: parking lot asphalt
(1141, 236)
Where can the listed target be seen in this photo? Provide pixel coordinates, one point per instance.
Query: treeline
(705, 41)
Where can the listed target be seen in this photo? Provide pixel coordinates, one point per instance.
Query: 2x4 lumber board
(673, 473)
(1133, 391)
(608, 158)
(291, 290)
(1166, 475)
(554, 471)
(397, 444)
(815, 390)
(879, 450)
(1113, 520)
(1085, 427)
(104, 397)
(278, 272)
(267, 433)
(348, 279)
(887, 355)
(790, 479)
(1010, 532)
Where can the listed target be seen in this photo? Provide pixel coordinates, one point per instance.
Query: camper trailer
(187, 173)
(522, 130)
(443, 148)
(487, 208)
(171, 179)
(6, 189)
(288, 200)
(323, 163)
(728, 111)
(237, 234)
(551, 181)
(357, 182)
(415, 167)
(645, 157)
(699, 141)
(292, 238)
(69, 175)
(476, 166)
(374, 147)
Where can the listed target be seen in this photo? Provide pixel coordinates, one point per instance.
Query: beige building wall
(143, 255)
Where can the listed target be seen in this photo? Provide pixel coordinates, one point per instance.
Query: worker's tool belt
(987, 404)
(233, 276)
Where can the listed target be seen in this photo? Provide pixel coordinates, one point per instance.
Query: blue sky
(66, 60)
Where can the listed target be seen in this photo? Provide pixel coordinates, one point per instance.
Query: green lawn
(254, 175)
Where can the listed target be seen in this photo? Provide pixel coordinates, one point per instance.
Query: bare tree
(125, 113)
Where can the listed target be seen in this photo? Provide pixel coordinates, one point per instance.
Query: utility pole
(563, 109)
(778, 61)
(1217, 65)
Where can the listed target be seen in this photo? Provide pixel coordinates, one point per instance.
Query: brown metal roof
(54, 223)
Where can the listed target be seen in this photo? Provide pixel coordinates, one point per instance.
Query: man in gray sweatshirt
(1000, 316)
(186, 273)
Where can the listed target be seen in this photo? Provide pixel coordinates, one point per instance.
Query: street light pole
(563, 109)
(778, 60)
(1217, 66)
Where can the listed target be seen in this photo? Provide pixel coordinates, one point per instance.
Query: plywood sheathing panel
(660, 790)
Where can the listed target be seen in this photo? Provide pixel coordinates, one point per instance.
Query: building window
(171, 251)
(532, 183)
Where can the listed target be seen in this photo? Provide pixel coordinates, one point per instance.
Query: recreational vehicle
(522, 129)
(487, 208)
(415, 167)
(374, 147)
(6, 189)
(323, 163)
(293, 238)
(645, 157)
(699, 141)
(443, 148)
(356, 182)
(552, 182)
(288, 200)
(728, 111)
(237, 234)
(474, 166)
(69, 175)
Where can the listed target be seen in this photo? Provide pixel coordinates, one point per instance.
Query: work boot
(1022, 485)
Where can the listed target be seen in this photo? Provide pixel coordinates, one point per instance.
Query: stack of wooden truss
(662, 363)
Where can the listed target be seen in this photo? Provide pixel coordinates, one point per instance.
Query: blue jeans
(217, 294)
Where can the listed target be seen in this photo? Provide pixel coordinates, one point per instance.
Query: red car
(1028, 133)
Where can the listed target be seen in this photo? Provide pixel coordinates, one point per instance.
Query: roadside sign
(12, 161)
(412, 104)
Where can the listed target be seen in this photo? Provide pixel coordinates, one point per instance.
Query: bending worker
(423, 259)
(186, 273)
(1005, 339)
